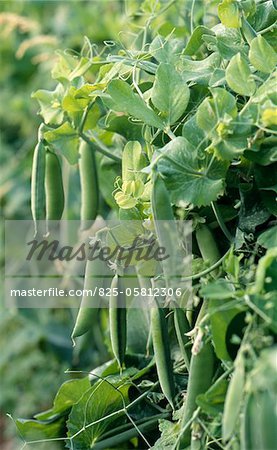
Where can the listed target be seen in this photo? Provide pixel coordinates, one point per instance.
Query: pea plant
(176, 126)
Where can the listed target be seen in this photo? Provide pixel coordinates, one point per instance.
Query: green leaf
(238, 76)
(228, 12)
(212, 402)
(266, 179)
(100, 401)
(50, 103)
(31, 430)
(195, 41)
(218, 290)
(220, 318)
(189, 178)
(65, 141)
(228, 41)
(193, 134)
(126, 101)
(170, 94)
(262, 55)
(268, 239)
(69, 67)
(164, 50)
(200, 71)
(219, 109)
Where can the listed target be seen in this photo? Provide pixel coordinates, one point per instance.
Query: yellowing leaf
(228, 13)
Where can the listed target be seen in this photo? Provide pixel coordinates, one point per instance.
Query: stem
(206, 271)
(271, 27)
(191, 16)
(100, 147)
(170, 133)
(221, 222)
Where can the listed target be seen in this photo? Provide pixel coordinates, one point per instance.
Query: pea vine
(174, 125)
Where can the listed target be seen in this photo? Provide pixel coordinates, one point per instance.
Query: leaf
(31, 430)
(164, 50)
(126, 101)
(212, 402)
(268, 239)
(228, 12)
(69, 67)
(195, 41)
(221, 314)
(133, 161)
(218, 290)
(228, 41)
(238, 76)
(262, 55)
(221, 108)
(189, 178)
(65, 141)
(200, 71)
(50, 103)
(100, 401)
(170, 94)
(266, 179)
(252, 211)
(193, 133)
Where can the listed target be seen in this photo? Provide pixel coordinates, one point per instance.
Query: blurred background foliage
(35, 344)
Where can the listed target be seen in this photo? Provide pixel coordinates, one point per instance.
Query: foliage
(199, 115)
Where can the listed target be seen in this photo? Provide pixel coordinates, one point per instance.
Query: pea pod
(160, 340)
(94, 279)
(182, 327)
(200, 379)
(53, 187)
(166, 230)
(37, 183)
(258, 428)
(89, 185)
(118, 321)
(207, 246)
(233, 400)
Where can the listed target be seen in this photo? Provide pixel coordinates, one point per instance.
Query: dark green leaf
(128, 102)
(200, 71)
(170, 94)
(90, 416)
(268, 239)
(189, 178)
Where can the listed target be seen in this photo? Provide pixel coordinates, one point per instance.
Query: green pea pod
(53, 187)
(90, 304)
(182, 326)
(118, 319)
(259, 425)
(200, 379)
(233, 400)
(166, 230)
(207, 246)
(89, 185)
(161, 347)
(37, 184)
